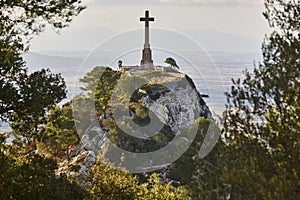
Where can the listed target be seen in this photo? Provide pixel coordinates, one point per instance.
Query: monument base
(147, 62)
(147, 66)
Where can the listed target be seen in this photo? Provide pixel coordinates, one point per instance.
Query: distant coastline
(68, 64)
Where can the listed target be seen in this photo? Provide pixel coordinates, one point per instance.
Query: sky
(208, 21)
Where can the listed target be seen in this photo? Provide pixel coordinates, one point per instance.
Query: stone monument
(147, 62)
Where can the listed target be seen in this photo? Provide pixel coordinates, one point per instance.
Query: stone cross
(147, 19)
(147, 61)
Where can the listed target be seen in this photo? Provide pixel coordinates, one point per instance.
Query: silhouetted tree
(172, 62)
(260, 155)
(26, 98)
(120, 62)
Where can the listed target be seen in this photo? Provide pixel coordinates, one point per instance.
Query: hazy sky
(102, 19)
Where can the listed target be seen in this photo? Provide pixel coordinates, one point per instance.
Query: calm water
(212, 76)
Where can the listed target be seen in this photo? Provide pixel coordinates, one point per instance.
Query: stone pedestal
(147, 62)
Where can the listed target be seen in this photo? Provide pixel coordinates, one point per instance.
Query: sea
(212, 72)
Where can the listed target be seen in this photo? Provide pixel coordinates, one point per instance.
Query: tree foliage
(172, 62)
(260, 155)
(30, 17)
(26, 98)
(58, 137)
(39, 92)
(12, 72)
(107, 183)
(26, 175)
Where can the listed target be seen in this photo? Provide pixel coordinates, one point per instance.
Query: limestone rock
(176, 106)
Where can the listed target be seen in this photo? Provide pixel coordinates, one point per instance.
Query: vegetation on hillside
(44, 134)
(256, 158)
(259, 158)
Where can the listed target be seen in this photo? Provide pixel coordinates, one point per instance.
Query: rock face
(177, 105)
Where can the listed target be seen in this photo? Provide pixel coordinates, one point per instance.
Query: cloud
(211, 2)
(121, 2)
(172, 2)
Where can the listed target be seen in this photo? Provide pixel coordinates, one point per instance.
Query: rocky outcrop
(178, 107)
(177, 104)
